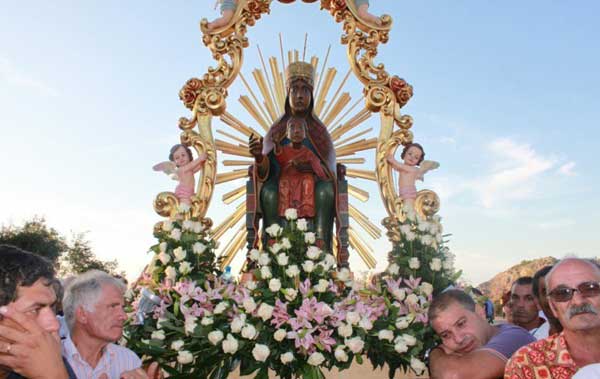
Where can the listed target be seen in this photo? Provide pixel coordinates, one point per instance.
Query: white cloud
(10, 74)
(556, 224)
(448, 140)
(567, 169)
(515, 169)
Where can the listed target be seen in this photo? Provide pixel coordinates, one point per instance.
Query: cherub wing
(168, 168)
(429, 165)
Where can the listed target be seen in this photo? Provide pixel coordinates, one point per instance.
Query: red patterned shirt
(546, 358)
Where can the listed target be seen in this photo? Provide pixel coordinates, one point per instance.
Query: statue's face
(296, 131)
(300, 95)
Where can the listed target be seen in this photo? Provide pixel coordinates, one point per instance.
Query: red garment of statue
(297, 188)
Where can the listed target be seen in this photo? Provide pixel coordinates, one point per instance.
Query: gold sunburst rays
(265, 105)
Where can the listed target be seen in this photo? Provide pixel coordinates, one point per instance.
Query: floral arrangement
(299, 314)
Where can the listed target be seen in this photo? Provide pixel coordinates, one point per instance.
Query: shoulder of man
(508, 340)
(126, 353)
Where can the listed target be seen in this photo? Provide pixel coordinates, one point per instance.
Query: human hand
(31, 351)
(256, 146)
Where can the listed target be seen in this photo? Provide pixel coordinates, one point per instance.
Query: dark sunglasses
(586, 289)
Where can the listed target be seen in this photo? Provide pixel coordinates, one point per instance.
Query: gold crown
(300, 70)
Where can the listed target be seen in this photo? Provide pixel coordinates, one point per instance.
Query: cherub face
(296, 131)
(412, 156)
(180, 157)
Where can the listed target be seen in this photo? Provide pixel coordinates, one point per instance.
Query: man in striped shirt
(93, 307)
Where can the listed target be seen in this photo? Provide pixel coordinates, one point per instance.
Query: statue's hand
(256, 146)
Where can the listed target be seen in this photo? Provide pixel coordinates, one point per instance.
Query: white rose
(410, 236)
(264, 259)
(220, 308)
(302, 224)
(402, 323)
(198, 227)
(393, 269)
(414, 263)
(340, 354)
(285, 243)
(400, 346)
(275, 248)
(177, 345)
(399, 294)
(249, 304)
(352, 317)
(273, 230)
(261, 352)
(206, 320)
(329, 260)
(290, 294)
(265, 272)
(409, 339)
(426, 288)
(316, 359)
(292, 271)
(274, 285)
(167, 225)
(250, 284)
(176, 234)
(185, 357)
(385, 334)
(322, 286)
(423, 226)
(158, 335)
(188, 225)
(279, 335)
(230, 345)
(249, 332)
(171, 272)
(164, 258)
(238, 323)
(448, 264)
(417, 365)
(412, 299)
(405, 229)
(215, 337)
(254, 254)
(310, 238)
(365, 323)
(282, 259)
(287, 357)
(265, 311)
(313, 252)
(308, 266)
(343, 275)
(185, 268)
(344, 330)
(162, 247)
(427, 240)
(291, 214)
(190, 325)
(435, 264)
(355, 344)
(198, 248)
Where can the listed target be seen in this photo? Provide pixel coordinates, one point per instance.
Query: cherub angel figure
(227, 11)
(362, 6)
(182, 166)
(413, 168)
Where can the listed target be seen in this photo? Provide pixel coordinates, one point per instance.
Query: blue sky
(506, 98)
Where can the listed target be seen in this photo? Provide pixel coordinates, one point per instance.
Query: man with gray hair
(573, 288)
(471, 347)
(93, 307)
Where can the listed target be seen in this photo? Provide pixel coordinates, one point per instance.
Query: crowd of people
(552, 327)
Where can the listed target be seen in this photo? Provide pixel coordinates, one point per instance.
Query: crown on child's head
(300, 70)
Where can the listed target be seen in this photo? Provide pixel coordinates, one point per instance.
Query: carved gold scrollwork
(427, 203)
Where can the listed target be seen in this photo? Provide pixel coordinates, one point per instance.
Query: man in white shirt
(93, 307)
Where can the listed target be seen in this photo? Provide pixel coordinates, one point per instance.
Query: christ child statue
(182, 166)
(227, 11)
(413, 168)
(299, 165)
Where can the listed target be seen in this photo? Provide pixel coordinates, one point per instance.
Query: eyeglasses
(586, 289)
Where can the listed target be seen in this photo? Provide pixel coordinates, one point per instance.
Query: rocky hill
(500, 283)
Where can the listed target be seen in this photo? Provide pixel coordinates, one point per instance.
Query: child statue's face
(413, 156)
(180, 157)
(296, 131)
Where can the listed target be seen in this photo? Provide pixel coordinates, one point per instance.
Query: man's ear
(81, 315)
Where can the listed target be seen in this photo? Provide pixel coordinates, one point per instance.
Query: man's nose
(48, 321)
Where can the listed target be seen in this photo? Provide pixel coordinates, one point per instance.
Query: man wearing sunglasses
(573, 288)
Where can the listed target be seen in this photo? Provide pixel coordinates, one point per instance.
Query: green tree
(35, 236)
(80, 258)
